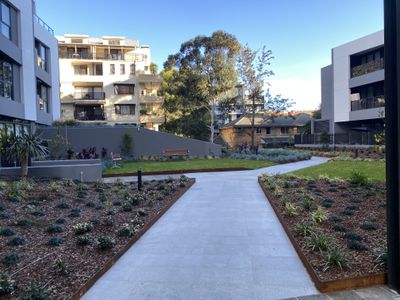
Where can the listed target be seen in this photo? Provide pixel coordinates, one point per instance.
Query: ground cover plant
(51, 254)
(373, 170)
(274, 155)
(190, 164)
(339, 225)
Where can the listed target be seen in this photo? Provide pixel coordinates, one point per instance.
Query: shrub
(26, 223)
(381, 256)
(142, 212)
(126, 145)
(82, 228)
(17, 241)
(352, 207)
(126, 207)
(75, 212)
(348, 212)
(327, 203)
(351, 235)
(319, 242)
(83, 240)
(37, 213)
(90, 204)
(95, 221)
(4, 215)
(119, 182)
(369, 226)
(334, 258)
(307, 202)
(11, 259)
(356, 245)
(55, 241)
(60, 221)
(7, 286)
(108, 221)
(290, 209)
(105, 242)
(359, 179)
(339, 228)
(126, 230)
(36, 291)
(7, 232)
(319, 215)
(61, 266)
(63, 206)
(305, 229)
(332, 190)
(54, 229)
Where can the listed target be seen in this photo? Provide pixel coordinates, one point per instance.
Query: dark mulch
(46, 204)
(350, 208)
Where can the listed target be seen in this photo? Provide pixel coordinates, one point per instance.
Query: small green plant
(26, 223)
(36, 291)
(60, 221)
(127, 207)
(75, 212)
(119, 182)
(38, 213)
(142, 212)
(61, 266)
(356, 245)
(381, 256)
(319, 215)
(17, 241)
(63, 205)
(339, 228)
(369, 226)
(334, 258)
(90, 204)
(351, 235)
(352, 207)
(4, 215)
(108, 221)
(83, 240)
(54, 229)
(290, 209)
(55, 241)
(327, 203)
(11, 259)
(7, 286)
(95, 221)
(319, 242)
(348, 212)
(126, 230)
(307, 202)
(82, 228)
(98, 184)
(305, 229)
(359, 179)
(7, 232)
(105, 242)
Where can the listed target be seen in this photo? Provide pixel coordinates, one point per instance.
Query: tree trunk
(24, 166)
(253, 116)
(212, 113)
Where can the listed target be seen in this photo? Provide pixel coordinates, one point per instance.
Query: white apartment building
(108, 80)
(352, 88)
(29, 83)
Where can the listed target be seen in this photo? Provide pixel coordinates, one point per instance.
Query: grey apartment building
(352, 88)
(29, 77)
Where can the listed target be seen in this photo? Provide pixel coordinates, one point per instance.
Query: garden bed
(58, 237)
(337, 228)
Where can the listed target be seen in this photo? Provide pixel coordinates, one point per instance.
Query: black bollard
(139, 179)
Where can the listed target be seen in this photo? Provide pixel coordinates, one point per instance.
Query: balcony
(370, 67)
(78, 55)
(152, 119)
(150, 99)
(368, 103)
(149, 78)
(86, 116)
(43, 24)
(97, 56)
(89, 95)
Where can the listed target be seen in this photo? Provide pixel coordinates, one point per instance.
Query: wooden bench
(115, 159)
(175, 152)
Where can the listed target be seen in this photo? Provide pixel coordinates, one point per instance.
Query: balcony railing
(367, 103)
(368, 68)
(89, 95)
(84, 116)
(86, 55)
(43, 24)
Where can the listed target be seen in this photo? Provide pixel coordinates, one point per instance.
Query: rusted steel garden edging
(178, 172)
(84, 288)
(323, 286)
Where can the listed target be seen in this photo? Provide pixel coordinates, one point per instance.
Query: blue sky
(300, 33)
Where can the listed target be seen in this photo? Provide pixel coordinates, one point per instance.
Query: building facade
(269, 131)
(108, 80)
(29, 82)
(352, 88)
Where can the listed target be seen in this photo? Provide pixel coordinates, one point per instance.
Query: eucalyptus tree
(254, 69)
(205, 72)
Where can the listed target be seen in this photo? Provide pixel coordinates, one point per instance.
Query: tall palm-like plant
(24, 146)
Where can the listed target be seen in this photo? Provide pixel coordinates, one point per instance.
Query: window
(98, 69)
(124, 89)
(80, 70)
(122, 69)
(5, 19)
(268, 130)
(133, 69)
(125, 109)
(6, 79)
(258, 130)
(41, 55)
(112, 69)
(76, 41)
(42, 93)
(146, 68)
(284, 130)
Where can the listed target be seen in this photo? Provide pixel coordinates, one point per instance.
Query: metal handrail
(43, 24)
(367, 103)
(89, 96)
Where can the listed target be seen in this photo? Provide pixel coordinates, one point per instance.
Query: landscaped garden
(56, 235)
(238, 161)
(338, 226)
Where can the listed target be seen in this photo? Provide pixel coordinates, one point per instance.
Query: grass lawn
(375, 170)
(193, 164)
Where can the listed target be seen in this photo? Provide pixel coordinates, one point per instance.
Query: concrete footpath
(221, 240)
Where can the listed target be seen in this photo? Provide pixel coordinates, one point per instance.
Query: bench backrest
(182, 151)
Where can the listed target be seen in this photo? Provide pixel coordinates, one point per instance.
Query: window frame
(3, 22)
(40, 88)
(118, 91)
(125, 109)
(41, 50)
(6, 81)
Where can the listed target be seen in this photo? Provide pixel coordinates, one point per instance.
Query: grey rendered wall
(145, 142)
(327, 95)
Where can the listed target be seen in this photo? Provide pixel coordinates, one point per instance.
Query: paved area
(221, 240)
